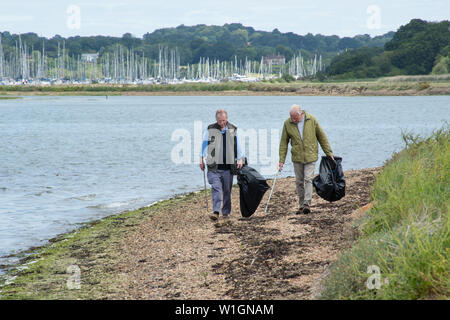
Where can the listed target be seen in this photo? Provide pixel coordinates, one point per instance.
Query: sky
(116, 17)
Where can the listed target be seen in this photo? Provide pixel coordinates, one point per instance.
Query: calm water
(69, 160)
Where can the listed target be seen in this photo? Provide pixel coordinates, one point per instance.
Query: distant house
(274, 60)
(89, 57)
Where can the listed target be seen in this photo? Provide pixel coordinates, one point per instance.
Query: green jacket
(305, 150)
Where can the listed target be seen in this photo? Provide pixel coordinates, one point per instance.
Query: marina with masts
(129, 66)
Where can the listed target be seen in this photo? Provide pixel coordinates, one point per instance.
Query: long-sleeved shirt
(300, 127)
(204, 148)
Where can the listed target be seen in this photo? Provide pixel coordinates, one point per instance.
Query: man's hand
(280, 166)
(239, 164)
(202, 164)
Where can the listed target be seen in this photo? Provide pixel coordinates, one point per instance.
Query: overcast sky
(116, 17)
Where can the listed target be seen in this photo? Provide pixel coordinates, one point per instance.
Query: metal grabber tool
(206, 196)
(270, 195)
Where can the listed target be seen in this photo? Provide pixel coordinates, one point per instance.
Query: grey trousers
(221, 182)
(304, 173)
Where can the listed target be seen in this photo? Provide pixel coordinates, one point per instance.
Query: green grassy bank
(404, 247)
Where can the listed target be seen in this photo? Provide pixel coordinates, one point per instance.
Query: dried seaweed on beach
(180, 254)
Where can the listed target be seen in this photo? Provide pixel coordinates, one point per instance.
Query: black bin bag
(252, 187)
(330, 183)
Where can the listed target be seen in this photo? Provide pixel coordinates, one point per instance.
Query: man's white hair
(221, 111)
(295, 109)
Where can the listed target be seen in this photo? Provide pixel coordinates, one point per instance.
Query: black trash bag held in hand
(252, 187)
(330, 183)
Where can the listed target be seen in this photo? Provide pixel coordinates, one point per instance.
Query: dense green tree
(285, 51)
(405, 33)
(416, 45)
(250, 52)
(348, 43)
(414, 49)
(367, 62)
(196, 43)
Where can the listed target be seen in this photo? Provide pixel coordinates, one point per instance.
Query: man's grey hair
(295, 109)
(221, 111)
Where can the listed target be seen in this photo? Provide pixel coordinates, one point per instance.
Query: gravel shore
(180, 254)
(172, 250)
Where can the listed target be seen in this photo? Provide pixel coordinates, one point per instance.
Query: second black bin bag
(330, 183)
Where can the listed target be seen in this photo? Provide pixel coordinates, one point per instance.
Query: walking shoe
(214, 216)
(306, 209)
(226, 219)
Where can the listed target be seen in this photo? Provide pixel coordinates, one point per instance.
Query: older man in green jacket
(304, 132)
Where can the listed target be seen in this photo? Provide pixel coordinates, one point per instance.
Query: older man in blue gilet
(220, 148)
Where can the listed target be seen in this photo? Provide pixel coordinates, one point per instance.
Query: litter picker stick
(204, 182)
(270, 195)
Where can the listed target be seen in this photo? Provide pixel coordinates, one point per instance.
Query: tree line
(223, 43)
(417, 48)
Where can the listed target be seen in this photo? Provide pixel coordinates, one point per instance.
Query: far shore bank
(370, 88)
(231, 93)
